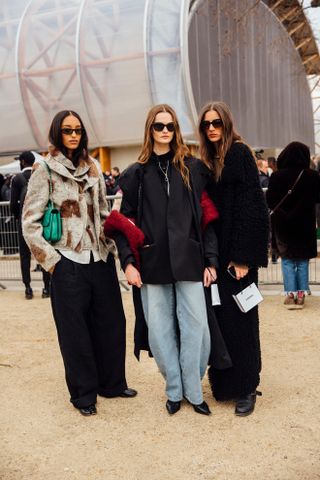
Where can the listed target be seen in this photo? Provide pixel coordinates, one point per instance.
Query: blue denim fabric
(295, 275)
(183, 359)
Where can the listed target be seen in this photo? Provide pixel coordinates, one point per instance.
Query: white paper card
(215, 297)
(248, 298)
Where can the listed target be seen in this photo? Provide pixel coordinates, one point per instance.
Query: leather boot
(245, 405)
(172, 407)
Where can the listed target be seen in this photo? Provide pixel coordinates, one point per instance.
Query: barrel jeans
(179, 336)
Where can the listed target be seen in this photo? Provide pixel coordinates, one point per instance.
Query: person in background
(262, 165)
(115, 172)
(316, 166)
(272, 165)
(6, 188)
(19, 186)
(243, 234)
(1, 185)
(85, 294)
(294, 221)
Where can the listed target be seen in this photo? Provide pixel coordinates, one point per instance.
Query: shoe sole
(245, 414)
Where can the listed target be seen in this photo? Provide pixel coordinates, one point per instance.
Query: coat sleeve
(103, 204)
(127, 236)
(275, 191)
(34, 206)
(250, 229)
(15, 196)
(209, 214)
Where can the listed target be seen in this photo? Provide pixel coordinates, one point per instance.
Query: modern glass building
(111, 60)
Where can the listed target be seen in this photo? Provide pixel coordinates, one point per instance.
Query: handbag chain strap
(289, 192)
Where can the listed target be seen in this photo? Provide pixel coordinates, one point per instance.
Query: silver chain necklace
(166, 177)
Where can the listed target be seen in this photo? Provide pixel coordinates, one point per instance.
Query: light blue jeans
(295, 275)
(182, 357)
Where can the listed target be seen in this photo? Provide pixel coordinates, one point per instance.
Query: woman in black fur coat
(243, 230)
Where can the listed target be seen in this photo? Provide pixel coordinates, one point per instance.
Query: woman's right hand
(133, 276)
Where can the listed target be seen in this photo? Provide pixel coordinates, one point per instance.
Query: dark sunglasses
(217, 123)
(158, 126)
(69, 131)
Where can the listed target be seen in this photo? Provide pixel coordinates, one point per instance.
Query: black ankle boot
(245, 405)
(28, 293)
(45, 293)
(172, 407)
(202, 408)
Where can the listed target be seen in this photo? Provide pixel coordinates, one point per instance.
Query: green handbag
(51, 220)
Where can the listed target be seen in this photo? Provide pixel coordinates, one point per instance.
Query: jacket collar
(86, 172)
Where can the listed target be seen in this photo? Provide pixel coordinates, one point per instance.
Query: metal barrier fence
(10, 264)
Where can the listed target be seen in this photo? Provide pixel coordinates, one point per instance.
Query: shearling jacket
(69, 185)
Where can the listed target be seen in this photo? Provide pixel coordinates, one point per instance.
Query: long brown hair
(213, 154)
(177, 145)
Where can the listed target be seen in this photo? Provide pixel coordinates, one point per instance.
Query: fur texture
(209, 211)
(243, 232)
(116, 222)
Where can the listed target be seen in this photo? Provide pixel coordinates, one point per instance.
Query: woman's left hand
(209, 276)
(240, 270)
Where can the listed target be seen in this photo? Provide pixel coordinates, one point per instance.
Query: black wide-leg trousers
(88, 312)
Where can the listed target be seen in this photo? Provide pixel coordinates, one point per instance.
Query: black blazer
(175, 248)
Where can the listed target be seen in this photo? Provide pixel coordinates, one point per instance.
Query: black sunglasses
(158, 126)
(69, 131)
(217, 123)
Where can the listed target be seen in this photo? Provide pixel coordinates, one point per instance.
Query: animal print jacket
(80, 195)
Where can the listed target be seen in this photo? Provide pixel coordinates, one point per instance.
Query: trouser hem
(114, 392)
(84, 401)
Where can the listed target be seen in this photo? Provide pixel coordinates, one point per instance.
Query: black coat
(294, 222)
(179, 256)
(243, 232)
(19, 186)
(175, 249)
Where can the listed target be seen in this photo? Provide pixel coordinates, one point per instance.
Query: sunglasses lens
(215, 123)
(158, 126)
(69, 131)
(170, 127)
(205, 124)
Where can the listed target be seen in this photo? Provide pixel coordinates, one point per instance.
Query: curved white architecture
(111, 60)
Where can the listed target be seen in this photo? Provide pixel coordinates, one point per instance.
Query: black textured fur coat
(243, 233)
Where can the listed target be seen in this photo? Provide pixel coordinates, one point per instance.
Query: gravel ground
(44, 437)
